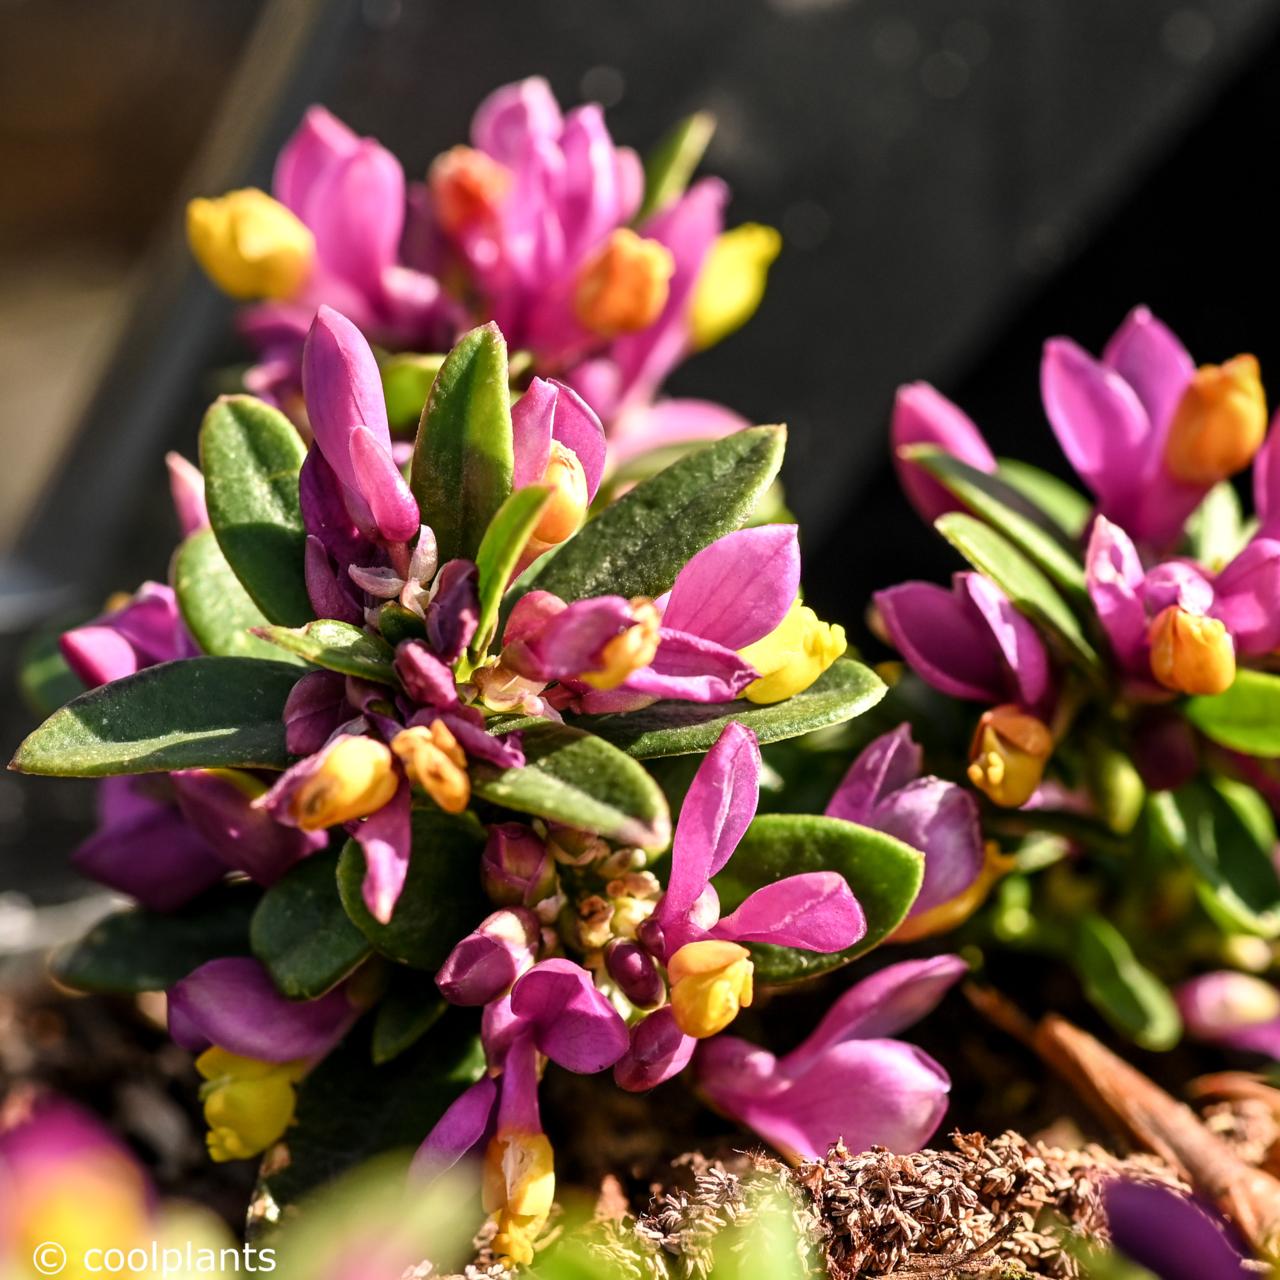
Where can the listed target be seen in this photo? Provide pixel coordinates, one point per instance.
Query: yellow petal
(732, 281)
(793, 655)
(710, 981)
(250, 245)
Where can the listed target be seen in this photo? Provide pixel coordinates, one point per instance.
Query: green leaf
(1067, 506)
(1216, 529)
(1037, 535)
(251, 455)
(1244, 718)
(218, 611)
(405, 1014)
(844, 691)
(1030, 591)
(500, 550)
(463, 458)
(1121, 988)
(1227, 834)
(337, 646)
(884, 874)
(441, 899)
(350, 1110)
(670, 165)
(137, 950)
(196, 713)
(406, 384)
(301, 932)
(577, 778)
(47, 682)
(636, 546)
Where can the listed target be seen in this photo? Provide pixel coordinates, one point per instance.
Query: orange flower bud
(623, 285)
(1010, 749)
(1219, 423)
(1191, 653)
(632, 649)
(433, 759)
(563, 515)
(467, 186)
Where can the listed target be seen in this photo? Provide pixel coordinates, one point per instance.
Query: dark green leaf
(637, 546)
(1122, 989)
(577, 778)
(500, 550)
(250, 455)
(47, 682)
(139, 950)
(1244, 718)
(196, 713)
(301, 932)
(396, 623)
(670, 165)
(679, 728)
(884, 874)
(218, 611)
(337, 646)
(1031, 592)
(463, 458)
(1068, 506)
(441, 899)
(410, 1008)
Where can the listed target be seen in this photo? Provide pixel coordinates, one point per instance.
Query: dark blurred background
(954, 180)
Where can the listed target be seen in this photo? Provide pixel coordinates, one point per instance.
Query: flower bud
(518, 1191)
(1191, 653)
(635, 972)
(731, 282)
(353, 778)
(576, 848)
(629, 651)
(623, 286)
(1219, 423)
(248, 1104)
(658, 1051)
(488, 960)
(250, 245)
(516, 869)
(467, 187)
(564, 513)
(1008, 755)
(793, 655)
(710, 982)
(433, 759)
(1225, 1006)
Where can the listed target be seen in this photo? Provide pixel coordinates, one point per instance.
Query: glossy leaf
(301, 932)
(636, 546)
(1031, 592)
(337, 646)
(409, 1009)
(578, 778)
(1244, 718)
(1068, 507)
(196, 713)
(1121, 988)
(884, 874)
(441, 899)
(670, 165)
(217, 610)
(137, 950)
(680, 728)
(463, 458)
(251, 454)
(503, 543)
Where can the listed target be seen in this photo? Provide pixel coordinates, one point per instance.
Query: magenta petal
(1177, 582)
(233, 1004)
(314, 710)
(98, 654)
(739, 588)
(379, 482)
(427, 680)
(885, 1003)
(454, 611)
(490, 958)
(1248, 598)
(1021, 649)
(1147, 355)
(591, 205)
(941, 820)
(1266, 481)
(1170, 1234)
(663, 423)
(943, 640)
(329, 595)
(885, 765)
(531, 418)
(576, 426)
(325, 514)
(567, 641)
(318, 142)
(922, 415)
(186, 488)
(658, 1051)
(692, 669)
(573, 1024)
(460, 1130)
(386, 838)
(815, 911)
(717, 810)
(1113, 575)
(513, 117)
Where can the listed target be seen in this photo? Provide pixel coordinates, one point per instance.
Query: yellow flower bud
(1191, 653)
(955, 911)
(518, 1191)
(793, 655)
(731, 283)
(1008, 755)
(1219, 423)
(632, 649)
(248, 1104)
(563, 515)
(355, 778)
(250, 245)
(432, 758)
(710, 982)
(467, 187)
(623, 286)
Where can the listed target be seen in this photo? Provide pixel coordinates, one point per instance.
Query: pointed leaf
(500, 549)
(251, 455)
(1244, 718)
(196, 713)
(670, 165)
(463, 459)
(1121, 988)
(337, 646)
(1067, 506)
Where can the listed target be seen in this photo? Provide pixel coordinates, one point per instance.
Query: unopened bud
(576, 848)
(1223, 1006)
(623, 286)
(354, 778)
(1219, 423)
(629, 651)
(488, 960)
(467, 187)
(250, 245)
(433, 759)
(502, 689)
(1008, 755)
(516, 868)
(658, 1051)
(636, 973)
(566, 509)
(1191, 653)
(793, 655)
(710, 981)
(595, 918)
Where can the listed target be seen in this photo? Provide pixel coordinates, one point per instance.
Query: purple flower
(848, 1080)
(1235, 1010)
(146, 629)
(483, 966)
